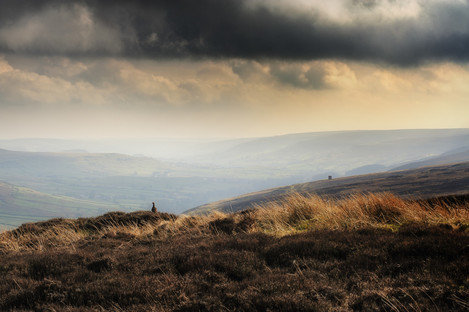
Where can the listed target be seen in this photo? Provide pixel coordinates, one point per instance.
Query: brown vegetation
(423, 183)
(365, 253)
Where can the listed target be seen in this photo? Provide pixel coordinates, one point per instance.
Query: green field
(19, 205)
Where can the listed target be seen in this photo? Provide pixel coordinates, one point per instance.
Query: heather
(366, 252)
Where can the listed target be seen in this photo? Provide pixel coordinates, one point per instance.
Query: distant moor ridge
(423, 183)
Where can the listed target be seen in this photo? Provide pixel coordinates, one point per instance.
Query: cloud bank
(397, 32)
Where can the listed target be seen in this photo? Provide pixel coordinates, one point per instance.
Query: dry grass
(65, 233)
(298, 213)
(57, 233)
(371, 252)
(295, 214)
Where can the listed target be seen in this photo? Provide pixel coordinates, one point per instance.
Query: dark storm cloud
(309, 78)
(365, 3)
(231, 28)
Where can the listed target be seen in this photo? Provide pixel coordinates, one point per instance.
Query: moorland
(374, 252)
(420, 183)
(397, 240)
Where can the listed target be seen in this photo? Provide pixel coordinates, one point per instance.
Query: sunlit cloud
(61, 30)
(231, 68)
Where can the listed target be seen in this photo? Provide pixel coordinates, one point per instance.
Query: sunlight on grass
(299, 213)
(294, 214)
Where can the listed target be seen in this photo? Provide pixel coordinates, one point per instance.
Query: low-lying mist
(179, 174)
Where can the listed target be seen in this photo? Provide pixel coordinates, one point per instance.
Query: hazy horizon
(214, 138)
(97, 175)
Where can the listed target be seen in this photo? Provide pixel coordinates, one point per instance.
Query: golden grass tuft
(299, 212)
(64, 234)
(294, 214)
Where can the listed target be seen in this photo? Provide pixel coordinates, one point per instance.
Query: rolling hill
(194, 172)
(339, 151)
(303, 155)
(77, 164)
(19, 205)
(425, 182)
(453, 156)
(124, 182)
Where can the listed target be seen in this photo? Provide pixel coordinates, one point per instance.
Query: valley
(179, 175)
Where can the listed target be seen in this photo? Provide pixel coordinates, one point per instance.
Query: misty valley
(41, 179)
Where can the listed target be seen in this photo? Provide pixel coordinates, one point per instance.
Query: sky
(230, 68)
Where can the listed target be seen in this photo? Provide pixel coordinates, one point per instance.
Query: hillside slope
(366, 253)
(19, 205)
(128, 182)
(77, 164)
(199, 172)
(424, 182)
(453, 156)
(301, 154)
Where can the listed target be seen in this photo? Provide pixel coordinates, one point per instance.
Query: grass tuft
(366, 252)
(294, 214)
(298, 213)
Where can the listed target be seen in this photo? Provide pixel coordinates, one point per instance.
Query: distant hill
(19, 205)
(194, 172)
(303, 155)
(337, 152)
(366, 169)
(128, 182)
(453, 156)
(14, 163)
(426, 182)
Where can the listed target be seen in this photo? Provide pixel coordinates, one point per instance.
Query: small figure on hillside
(153, 209)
